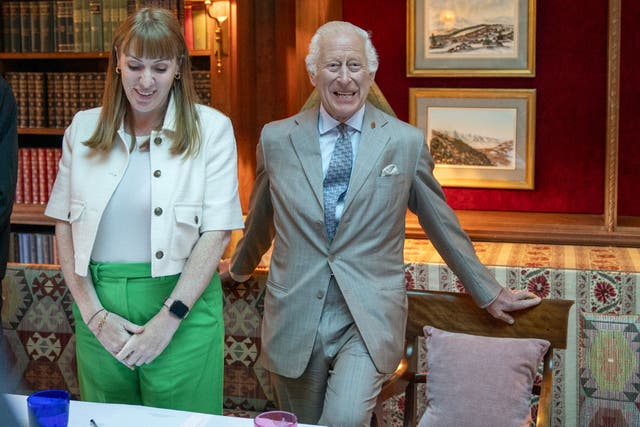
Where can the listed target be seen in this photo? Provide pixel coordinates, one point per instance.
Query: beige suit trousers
(340, 385)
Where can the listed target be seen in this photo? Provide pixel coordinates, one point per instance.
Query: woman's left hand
(146, 346)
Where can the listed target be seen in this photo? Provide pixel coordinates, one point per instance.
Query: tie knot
(343, 129)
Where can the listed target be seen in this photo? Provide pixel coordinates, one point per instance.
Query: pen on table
(92, 423)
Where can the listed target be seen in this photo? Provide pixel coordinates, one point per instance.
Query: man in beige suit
(335, 305)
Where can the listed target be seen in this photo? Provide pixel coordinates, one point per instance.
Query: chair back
(457, 312)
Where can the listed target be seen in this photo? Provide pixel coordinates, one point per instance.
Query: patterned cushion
(609, 369)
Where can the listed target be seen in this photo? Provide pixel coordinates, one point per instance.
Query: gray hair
(335, 27)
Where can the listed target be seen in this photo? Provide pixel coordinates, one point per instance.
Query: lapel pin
(373, 125)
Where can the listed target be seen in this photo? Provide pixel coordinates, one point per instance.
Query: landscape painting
(472, 137)
(478, 137)
(471, 37)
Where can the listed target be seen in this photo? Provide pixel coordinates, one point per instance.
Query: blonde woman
(145, 200)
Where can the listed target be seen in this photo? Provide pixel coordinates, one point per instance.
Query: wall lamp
(219, 12)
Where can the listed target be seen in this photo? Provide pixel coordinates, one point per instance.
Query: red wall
(570, 81)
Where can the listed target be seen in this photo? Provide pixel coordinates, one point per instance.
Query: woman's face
(147, 83)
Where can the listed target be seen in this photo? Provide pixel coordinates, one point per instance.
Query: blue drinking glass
(48, 408)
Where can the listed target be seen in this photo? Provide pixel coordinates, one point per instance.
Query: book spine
(74, 96)
(106, 25)
(21, 95)
(39, 95)
(34, 25)
(122, 11)
(14, 27)
(41, 155)
(34, 176)
(51, 168)
(33, 254)
(46, 25)
(95, 19)
(37, 237)
(58, 117)
(6, 27)
(22, 247)
(46, 249)
(13, 248)
(19, 197)
(25, 171)
(78, 30)
(30, 99)
(25, 23)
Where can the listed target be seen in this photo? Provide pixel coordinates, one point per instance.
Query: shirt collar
(327, 123)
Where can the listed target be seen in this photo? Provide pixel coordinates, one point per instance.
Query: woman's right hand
(113, 331)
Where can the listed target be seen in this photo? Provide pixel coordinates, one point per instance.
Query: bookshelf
(36, 70)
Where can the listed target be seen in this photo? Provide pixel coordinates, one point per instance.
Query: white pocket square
(390, 169)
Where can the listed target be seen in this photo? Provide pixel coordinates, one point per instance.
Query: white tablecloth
(118, 415)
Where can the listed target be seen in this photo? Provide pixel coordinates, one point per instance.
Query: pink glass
(276, 419)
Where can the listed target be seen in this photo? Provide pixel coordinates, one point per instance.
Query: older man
(333, 186)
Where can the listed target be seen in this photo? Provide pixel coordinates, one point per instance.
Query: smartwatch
(176, 307)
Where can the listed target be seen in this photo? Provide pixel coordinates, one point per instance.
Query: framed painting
(479, 138)
(471, 38)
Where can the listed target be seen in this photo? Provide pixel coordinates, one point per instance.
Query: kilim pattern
(609, 370)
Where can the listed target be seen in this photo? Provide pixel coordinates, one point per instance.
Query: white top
(189, 195)
(124, 233)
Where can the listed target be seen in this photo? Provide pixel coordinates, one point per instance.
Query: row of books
(67, 25)
(50, 99)
(37, 170)
(33, 248)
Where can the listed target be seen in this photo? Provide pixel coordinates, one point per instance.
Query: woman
(145, 198)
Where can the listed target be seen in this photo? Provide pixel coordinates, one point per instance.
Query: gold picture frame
(479, 138)
(471, 38)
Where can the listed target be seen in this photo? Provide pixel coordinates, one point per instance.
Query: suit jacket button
(159, 255)
(157, 140)
(320, 294)
(157, 173)
(157, 211)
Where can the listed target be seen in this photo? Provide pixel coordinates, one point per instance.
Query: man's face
(342, 78)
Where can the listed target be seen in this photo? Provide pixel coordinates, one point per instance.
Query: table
(120, 415)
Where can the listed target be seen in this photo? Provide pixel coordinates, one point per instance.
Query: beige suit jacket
(392, 172)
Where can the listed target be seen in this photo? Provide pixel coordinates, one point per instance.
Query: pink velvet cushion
(479, 381)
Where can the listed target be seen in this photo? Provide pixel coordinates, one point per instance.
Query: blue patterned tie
(336, 181)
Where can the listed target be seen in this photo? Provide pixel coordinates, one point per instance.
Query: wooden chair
(456, 312)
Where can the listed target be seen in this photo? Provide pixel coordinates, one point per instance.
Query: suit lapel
(373, 140)
(304, 138)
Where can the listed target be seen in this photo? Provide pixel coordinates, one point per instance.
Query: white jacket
(189, 195)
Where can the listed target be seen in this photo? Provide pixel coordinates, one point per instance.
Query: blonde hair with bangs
(150, 33)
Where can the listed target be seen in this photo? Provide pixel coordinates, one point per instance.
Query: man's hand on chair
(509, 300)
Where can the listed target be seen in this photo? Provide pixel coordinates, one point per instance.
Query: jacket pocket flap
(188, 214)
(76, 209)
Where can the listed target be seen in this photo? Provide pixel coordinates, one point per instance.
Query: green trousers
(187, 375)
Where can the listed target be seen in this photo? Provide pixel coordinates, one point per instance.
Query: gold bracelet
(101, 323)
(94, 315)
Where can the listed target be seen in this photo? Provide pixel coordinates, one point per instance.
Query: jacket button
(157, 211)
(68, 215)
(157, 140)
(157, 173)
(320, 294)
(159, 254)
(195, 218)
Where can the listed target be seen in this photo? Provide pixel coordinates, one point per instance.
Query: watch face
(179, 309)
